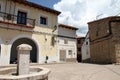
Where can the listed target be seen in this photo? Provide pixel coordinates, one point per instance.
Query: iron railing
(13, 19)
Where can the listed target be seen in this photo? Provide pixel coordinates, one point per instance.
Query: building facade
(85, 49)
(25, 22)
(67, 50)
(105, 40)
(80, 41)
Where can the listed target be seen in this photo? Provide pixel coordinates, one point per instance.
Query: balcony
(16, 20)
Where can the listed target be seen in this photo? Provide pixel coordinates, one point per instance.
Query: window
(97, 30)
(22, 17)
(70, 52)
(65, 41)
(97, 33)
(86, 43)
(43, 20)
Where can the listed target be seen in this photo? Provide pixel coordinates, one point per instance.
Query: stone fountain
(23, 70)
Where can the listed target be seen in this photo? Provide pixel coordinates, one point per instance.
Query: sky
(47, 3)
(79, 12)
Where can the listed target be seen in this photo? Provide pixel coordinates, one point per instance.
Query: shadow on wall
(79, 59)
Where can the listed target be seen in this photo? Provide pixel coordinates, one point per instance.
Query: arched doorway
(33, 53)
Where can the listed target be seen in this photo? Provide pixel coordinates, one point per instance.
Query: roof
(67, 26)
(109, 18)
(34, 5)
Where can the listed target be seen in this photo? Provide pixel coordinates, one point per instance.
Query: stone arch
(24, 37)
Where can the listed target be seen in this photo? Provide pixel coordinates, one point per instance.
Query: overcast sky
(79, 12)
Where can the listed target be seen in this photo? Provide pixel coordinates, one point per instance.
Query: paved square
(81, 71)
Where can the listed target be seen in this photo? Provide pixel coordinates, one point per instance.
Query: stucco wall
(32, 13)
(41, 35)
(44, 47)
(66, 32)
(86, 49)
(70, 46)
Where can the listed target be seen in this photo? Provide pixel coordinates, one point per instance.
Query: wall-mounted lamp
(54, 40)
(45, 38)
(55, 27)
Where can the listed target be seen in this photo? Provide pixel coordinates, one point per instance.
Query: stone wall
(104, 40)
(116, 39)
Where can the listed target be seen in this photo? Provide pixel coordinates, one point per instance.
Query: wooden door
(62, 55)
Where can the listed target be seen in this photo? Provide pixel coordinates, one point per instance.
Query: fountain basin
(36, 73)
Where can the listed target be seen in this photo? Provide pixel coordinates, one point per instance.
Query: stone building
(66, 40)
(80, 41)
(25, 22)
(105, 40)
(85, 49)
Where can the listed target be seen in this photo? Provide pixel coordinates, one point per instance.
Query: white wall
(70, 46)
(86, 48)
(71, 42)
(66, 32)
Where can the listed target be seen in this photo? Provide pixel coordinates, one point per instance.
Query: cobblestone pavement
(81, 71)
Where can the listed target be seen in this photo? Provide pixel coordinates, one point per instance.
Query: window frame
(20, 18)
(45, 20)
(69, 52)
(65, 41)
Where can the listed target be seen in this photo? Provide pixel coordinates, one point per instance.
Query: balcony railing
(17, 20)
